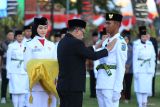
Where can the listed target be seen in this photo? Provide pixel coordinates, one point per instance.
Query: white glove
(8, 75)
(116, 96)
(136, 75)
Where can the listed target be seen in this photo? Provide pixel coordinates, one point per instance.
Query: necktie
(41, 41)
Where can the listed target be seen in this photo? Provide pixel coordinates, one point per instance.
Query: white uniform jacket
(35, 50)
(26, 40)
(15, 62)
(18, 79)
(143, 65)
(95, 62)
(117, 56)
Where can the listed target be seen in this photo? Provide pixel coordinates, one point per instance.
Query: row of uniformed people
(18, 55)
(17, 49)
(39, 48)
(3, 53)
(143, 56)
(18, 78)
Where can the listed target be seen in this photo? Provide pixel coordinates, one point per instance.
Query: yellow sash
(44, 71)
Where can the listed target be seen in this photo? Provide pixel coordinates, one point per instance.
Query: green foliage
(10, 23)
(89, 29)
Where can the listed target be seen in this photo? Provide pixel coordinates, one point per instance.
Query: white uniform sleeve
(8, 62)
(135, 58)
(27, 55)
(55, 50)
(153, 58)
(121, 57)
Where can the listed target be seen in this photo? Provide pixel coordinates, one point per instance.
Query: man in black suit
(72, 55)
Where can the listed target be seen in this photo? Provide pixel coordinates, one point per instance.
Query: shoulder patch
(149, 43)
(123, 47)
(121, 37)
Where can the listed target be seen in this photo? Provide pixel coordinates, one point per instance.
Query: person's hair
(73, 28)
(9, 31)
(119, 23)
(37, 22)
(126, 33)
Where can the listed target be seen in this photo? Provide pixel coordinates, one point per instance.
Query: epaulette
(121, 37)
(29, 40)
(135, 43)
(149, 42)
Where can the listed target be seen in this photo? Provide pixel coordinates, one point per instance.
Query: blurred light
(73, 1)
(122, 3)
(44, 0)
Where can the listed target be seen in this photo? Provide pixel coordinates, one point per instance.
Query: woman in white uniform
(16, 74)
(40, 48)
(143, 67)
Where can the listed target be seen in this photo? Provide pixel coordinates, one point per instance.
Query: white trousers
(40, 99)
(18, 100)
(104, 98)
(26, 101)
(142, 99)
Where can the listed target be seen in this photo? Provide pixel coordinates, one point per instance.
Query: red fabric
(41, 41)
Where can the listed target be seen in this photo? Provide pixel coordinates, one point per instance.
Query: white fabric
(96, 62)
(116, 96)
(143, 72)
(18, 79)
(25, 40)
(18, 84)
(26, 101)
(109, 87)
(35, 50)
(141, 99)
(18, 100)
(40, 99)
(15, 51)
(105, 98)
(117, 57)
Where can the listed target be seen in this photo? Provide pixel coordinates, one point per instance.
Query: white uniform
(25, 40)
(35, 50)
(18, 79)
(108, 88)
(143, 69)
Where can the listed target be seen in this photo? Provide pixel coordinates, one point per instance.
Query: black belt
(12, 59)
(144, 61)
(106, 68)
(20, 61)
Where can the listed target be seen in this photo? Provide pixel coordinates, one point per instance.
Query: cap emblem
(110, 16)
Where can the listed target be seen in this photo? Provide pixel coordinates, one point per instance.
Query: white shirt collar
(115, 36)
(38, 37)
(27, 38)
